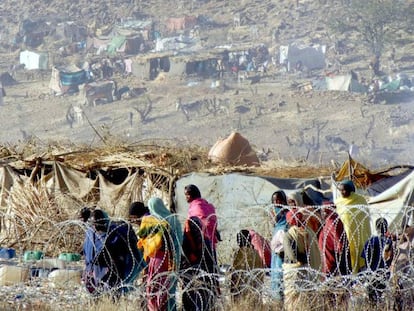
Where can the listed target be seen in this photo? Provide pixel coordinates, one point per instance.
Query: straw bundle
(31, 220)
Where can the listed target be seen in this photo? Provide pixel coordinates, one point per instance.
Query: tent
(34, 60)
(71, 31)
(127, 45)
(111, 188)
(7, 80)
(66, 78)
(395, 203)
(388, 192)
(344, 83)
(131, 27)
(234, 150)
(311, 57)
(148, 66)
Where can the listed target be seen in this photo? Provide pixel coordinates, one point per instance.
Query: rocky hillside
(281, 119)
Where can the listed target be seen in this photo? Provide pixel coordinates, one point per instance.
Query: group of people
(332, 240)
(323, 241)
(155, 245)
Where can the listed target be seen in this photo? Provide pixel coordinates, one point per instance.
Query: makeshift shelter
(393, 85)
(344, 83)
(126, 45)
(115, 44)
(234, 150)
(7, 80)
(34, 60)
(389, 192)
(173, 24)
(295, 56)
(39, 192)
(32, 32)
(131, 28)
(148, 66)
(179, 43)
(395, 203)
(361, 176)
(99, 44)
(66, 78)
(71, 31)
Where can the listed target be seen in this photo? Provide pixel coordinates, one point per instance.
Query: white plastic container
(10, 275)
(65, 277)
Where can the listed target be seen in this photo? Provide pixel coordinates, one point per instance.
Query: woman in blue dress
(278, 213)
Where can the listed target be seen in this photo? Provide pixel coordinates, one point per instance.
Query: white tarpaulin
(338, 83)
(34, 60)
(344, 83)
(311, 57)
(393, 203)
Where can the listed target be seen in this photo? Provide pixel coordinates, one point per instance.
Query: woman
(278, 215)
(333, 243)
(160, 237)
(301, 253)
(198, 268)
(262, 246)
(247, 270)
(354, 214)
(92, 246)
(119, 254)
(300, 242)
(206, 212)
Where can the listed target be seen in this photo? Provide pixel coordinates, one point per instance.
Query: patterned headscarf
(157, 208)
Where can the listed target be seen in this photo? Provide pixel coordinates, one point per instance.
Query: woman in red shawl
(262, 246)
(333, 243)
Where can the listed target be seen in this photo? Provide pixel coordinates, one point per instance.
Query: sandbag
(234, 150)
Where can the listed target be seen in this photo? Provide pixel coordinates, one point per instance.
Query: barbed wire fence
(304, 288)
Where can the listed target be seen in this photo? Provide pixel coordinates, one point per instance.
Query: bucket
(70, 257)
(7, 253)
(32, 255)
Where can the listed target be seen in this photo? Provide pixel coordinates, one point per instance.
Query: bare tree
(144, 107)
(375, 22)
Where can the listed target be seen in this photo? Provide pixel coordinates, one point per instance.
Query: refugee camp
(206, 155)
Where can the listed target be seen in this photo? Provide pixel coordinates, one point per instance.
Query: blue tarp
(73, 78)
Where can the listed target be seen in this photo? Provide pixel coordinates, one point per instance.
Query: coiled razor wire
(304, 288)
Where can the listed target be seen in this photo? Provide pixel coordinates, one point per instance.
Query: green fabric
(391, 86)
(116, 43)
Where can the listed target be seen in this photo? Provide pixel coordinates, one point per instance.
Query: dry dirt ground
(281, 121)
